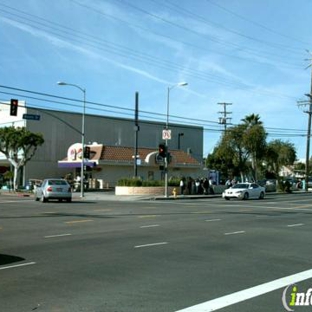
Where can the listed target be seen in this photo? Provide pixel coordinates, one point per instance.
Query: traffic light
(162, 150)
(86, 153)
(13, 107)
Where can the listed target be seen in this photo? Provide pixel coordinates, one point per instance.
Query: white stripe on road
(234, 233)
(79, 221)
(148, 226)
(248, 293)
(293, 225)
(17, 265)
(212, 220)
(151, 245)
(57, 235)
(14, 201)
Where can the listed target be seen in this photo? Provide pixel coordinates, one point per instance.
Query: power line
(257, 24)
(201, 19)
(211, 126)
(116, 49)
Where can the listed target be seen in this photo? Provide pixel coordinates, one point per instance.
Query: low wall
(146, 190)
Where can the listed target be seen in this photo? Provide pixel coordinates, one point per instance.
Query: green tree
(19, 146)
(279, 154)
(252, 120)
(233, 151)
(255, 140)
(221, 162)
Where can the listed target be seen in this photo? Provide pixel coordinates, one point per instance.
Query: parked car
(53, 189)
(244, 191)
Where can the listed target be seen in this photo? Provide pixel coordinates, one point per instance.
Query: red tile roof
(121, 154)
(125, 154)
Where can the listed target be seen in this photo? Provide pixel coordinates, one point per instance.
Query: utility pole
(136, 134)
(309, 112)
(224, 119)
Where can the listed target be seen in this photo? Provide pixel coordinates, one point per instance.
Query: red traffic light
(13, 107)
(162, 150)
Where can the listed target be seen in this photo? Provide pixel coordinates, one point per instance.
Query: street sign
(31, 116)
(166, 134)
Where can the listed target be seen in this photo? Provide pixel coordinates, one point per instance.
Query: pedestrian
(206, 186)
(228, 183)
(197, 185)
(211, 191)
(182, 186)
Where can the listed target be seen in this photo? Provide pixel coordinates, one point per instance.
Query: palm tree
(256, 141)
(252, 120)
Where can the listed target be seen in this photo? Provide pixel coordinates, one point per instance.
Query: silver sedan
(53, 189)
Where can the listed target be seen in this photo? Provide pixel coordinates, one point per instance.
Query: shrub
(129, 182)
(153, 183)
(140, 182)
(174, 182)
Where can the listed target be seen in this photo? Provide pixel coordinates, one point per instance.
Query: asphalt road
(155, 256)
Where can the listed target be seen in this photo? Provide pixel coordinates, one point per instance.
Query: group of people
(190, 186)
(229, 183)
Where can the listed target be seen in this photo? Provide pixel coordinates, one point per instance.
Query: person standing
(182, 186)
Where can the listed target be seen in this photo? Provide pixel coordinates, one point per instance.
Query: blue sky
(250, 53)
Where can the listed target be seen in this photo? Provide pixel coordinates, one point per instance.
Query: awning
(75, 164)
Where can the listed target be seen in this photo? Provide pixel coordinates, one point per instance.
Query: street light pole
(180, 84)
(61, 83)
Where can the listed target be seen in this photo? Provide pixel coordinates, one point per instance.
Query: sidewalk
(112, 196)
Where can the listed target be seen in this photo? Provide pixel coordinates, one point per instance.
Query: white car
(244, 191)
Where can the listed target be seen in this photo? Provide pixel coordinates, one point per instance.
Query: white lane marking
(148, 216)
(151, 245)
(148, 226)
(57, 235)
(249, 293)
(8, 201)
(79, 221)
(234, 233)
(280, 208)
(212, 220)
(293, 225)
(17, 265)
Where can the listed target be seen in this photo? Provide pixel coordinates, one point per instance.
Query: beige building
(108, 164)
(112, 142)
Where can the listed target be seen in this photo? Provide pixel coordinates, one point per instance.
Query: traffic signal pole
(166, 147)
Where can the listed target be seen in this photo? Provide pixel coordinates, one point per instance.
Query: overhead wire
(178, 8)
(189, 30)
(185, 43)
(292, 38)
(207, 125)
(103, 45)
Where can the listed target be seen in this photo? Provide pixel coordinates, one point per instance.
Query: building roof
(106, 154)
(126, 154)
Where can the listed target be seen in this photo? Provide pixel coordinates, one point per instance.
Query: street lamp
(180, 84)
(61, 83)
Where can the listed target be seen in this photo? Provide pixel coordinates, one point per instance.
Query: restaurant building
(112, 143)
